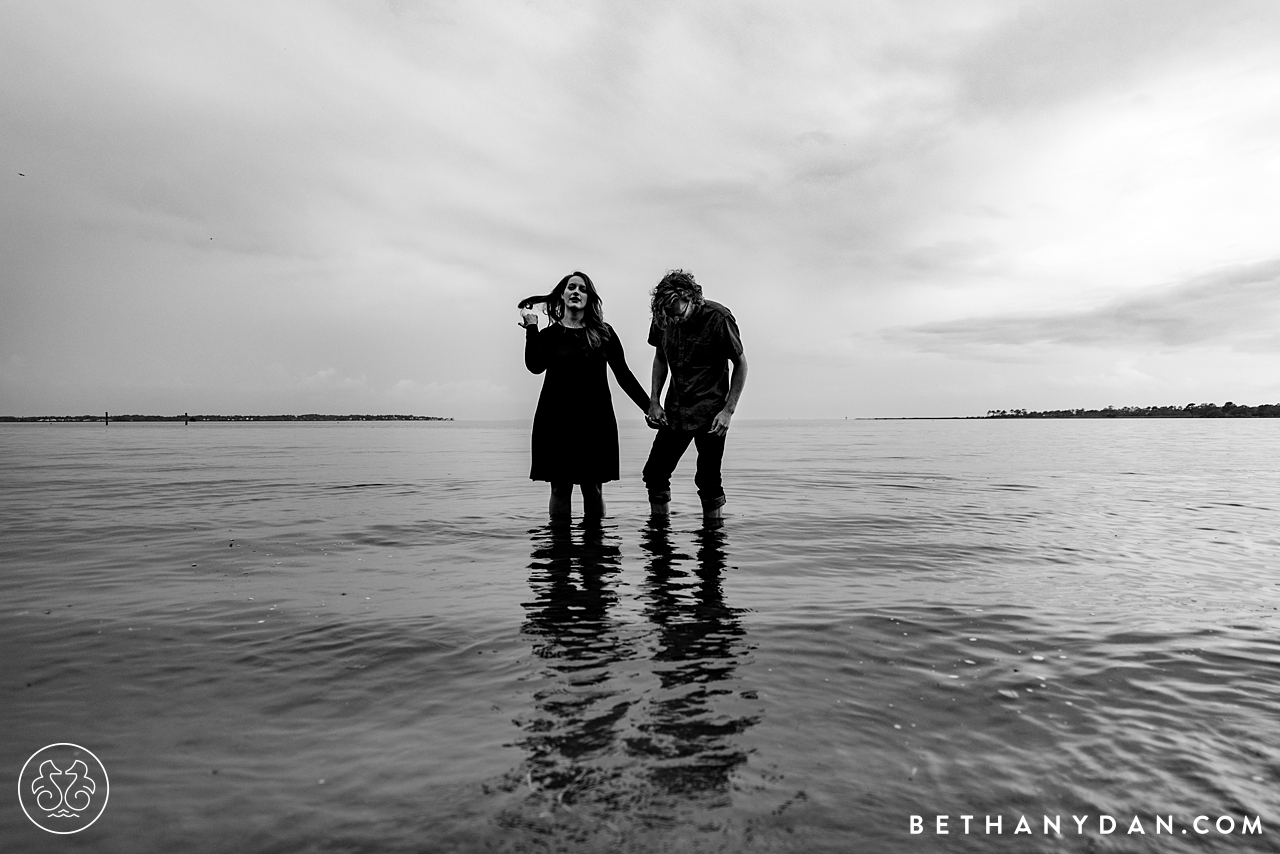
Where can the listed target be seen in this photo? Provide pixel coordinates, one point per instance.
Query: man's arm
(720, 424)
(656, 417)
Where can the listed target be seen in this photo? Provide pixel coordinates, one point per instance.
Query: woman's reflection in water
(577, 714)
(638, 716)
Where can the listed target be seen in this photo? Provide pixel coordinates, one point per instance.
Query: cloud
(329, 379)
(210, 189)
(1237, 307)
(466, 399)
(1040, 56)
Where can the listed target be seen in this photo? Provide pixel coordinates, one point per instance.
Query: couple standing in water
(575, 434)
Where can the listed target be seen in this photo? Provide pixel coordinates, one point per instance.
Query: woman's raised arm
(534, 359)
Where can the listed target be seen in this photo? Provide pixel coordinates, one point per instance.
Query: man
(696, 341)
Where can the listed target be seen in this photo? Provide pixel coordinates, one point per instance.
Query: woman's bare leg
(593, 501)
(561, 506)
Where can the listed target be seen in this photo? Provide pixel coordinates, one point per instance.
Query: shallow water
(364, 637)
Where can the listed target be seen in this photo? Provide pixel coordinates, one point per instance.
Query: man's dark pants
(668, 446)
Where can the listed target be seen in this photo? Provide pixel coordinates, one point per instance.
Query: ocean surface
(365, 637)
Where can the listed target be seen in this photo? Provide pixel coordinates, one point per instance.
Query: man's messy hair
(676, 285)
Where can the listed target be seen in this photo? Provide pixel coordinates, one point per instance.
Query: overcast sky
(912, 208)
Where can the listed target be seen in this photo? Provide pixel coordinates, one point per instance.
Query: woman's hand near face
(528, 318)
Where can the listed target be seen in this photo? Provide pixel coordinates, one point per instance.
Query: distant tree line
(308, 417)
(1191, 410)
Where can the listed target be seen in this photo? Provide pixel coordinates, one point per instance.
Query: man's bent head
(673, 297)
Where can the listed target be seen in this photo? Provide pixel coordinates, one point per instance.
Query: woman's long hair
(592, 315)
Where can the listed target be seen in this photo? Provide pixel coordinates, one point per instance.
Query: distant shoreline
(186, 418)
(1191, 410)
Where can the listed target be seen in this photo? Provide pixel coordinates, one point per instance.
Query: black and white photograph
(587, 426)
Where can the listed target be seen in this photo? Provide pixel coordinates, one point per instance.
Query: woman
(575, 435)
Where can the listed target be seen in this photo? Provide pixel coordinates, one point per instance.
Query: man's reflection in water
(689, 736)
(612, 729)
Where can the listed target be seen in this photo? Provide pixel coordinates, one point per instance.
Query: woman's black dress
(575, 435)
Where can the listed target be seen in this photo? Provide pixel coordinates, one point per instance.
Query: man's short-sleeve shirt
(698, 350)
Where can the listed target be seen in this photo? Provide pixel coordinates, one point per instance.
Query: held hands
(720, 424)
(655, 417)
